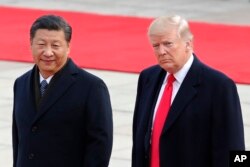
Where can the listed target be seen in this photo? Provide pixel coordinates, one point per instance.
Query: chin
(46, 68)
(168, 69)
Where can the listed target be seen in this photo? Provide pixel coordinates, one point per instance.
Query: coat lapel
(185, 94)
(59, 85)
(153, 86)
(31, 93)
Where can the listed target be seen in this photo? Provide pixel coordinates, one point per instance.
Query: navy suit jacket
(71, 125)
(204, 122)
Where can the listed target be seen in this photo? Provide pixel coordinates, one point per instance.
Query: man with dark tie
(62, 114)
(186, 113)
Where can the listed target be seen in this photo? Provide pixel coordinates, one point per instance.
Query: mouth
(165, 61)
(47, 61)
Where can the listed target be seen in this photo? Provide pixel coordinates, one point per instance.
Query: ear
(31, 42)
(189, 45)
(68, 49)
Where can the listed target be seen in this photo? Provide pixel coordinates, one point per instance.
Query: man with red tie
(186, 113)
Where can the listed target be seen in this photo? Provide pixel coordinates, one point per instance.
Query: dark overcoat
(71, 126)
(204, 122)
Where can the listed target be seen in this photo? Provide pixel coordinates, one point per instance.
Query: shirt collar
(48, 79)
(181, 74)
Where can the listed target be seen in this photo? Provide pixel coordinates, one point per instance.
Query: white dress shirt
(179, 77)
(47, 80)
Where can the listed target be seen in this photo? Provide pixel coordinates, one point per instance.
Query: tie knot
(44, 83)
(43, 86)
(171, 79)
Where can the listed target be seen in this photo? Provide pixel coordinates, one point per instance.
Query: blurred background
(229, 15)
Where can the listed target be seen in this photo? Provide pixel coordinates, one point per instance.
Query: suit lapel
(59, 85)
(153, 86)
(185, 94)
(30, 89)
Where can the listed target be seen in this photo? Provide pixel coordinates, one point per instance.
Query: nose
(162, 50)
(48, 52)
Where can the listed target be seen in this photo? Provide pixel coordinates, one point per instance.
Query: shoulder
(150, 71)
(81, 74)
(150, 75)
(87, 79)
(209, 74)
(87, 76)
(212, 75)
(216, 74)
(27, 75)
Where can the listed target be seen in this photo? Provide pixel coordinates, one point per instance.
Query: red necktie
(159, 121)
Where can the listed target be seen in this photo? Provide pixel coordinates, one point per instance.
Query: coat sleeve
(14, 133)
(135, 121)
(99, 127)
(227, 124)
(138, 94)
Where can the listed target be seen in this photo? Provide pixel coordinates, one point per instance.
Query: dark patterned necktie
(43, 86)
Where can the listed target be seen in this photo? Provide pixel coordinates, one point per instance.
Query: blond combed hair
(160, 24)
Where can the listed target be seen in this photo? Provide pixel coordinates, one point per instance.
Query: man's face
(49, 50)
(171, 51)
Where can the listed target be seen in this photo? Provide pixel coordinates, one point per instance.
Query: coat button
(34, 129)
(31, 156)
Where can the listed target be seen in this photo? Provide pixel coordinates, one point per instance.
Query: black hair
(51, 22)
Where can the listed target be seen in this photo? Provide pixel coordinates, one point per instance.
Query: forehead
(45, 34)
(166, 35)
